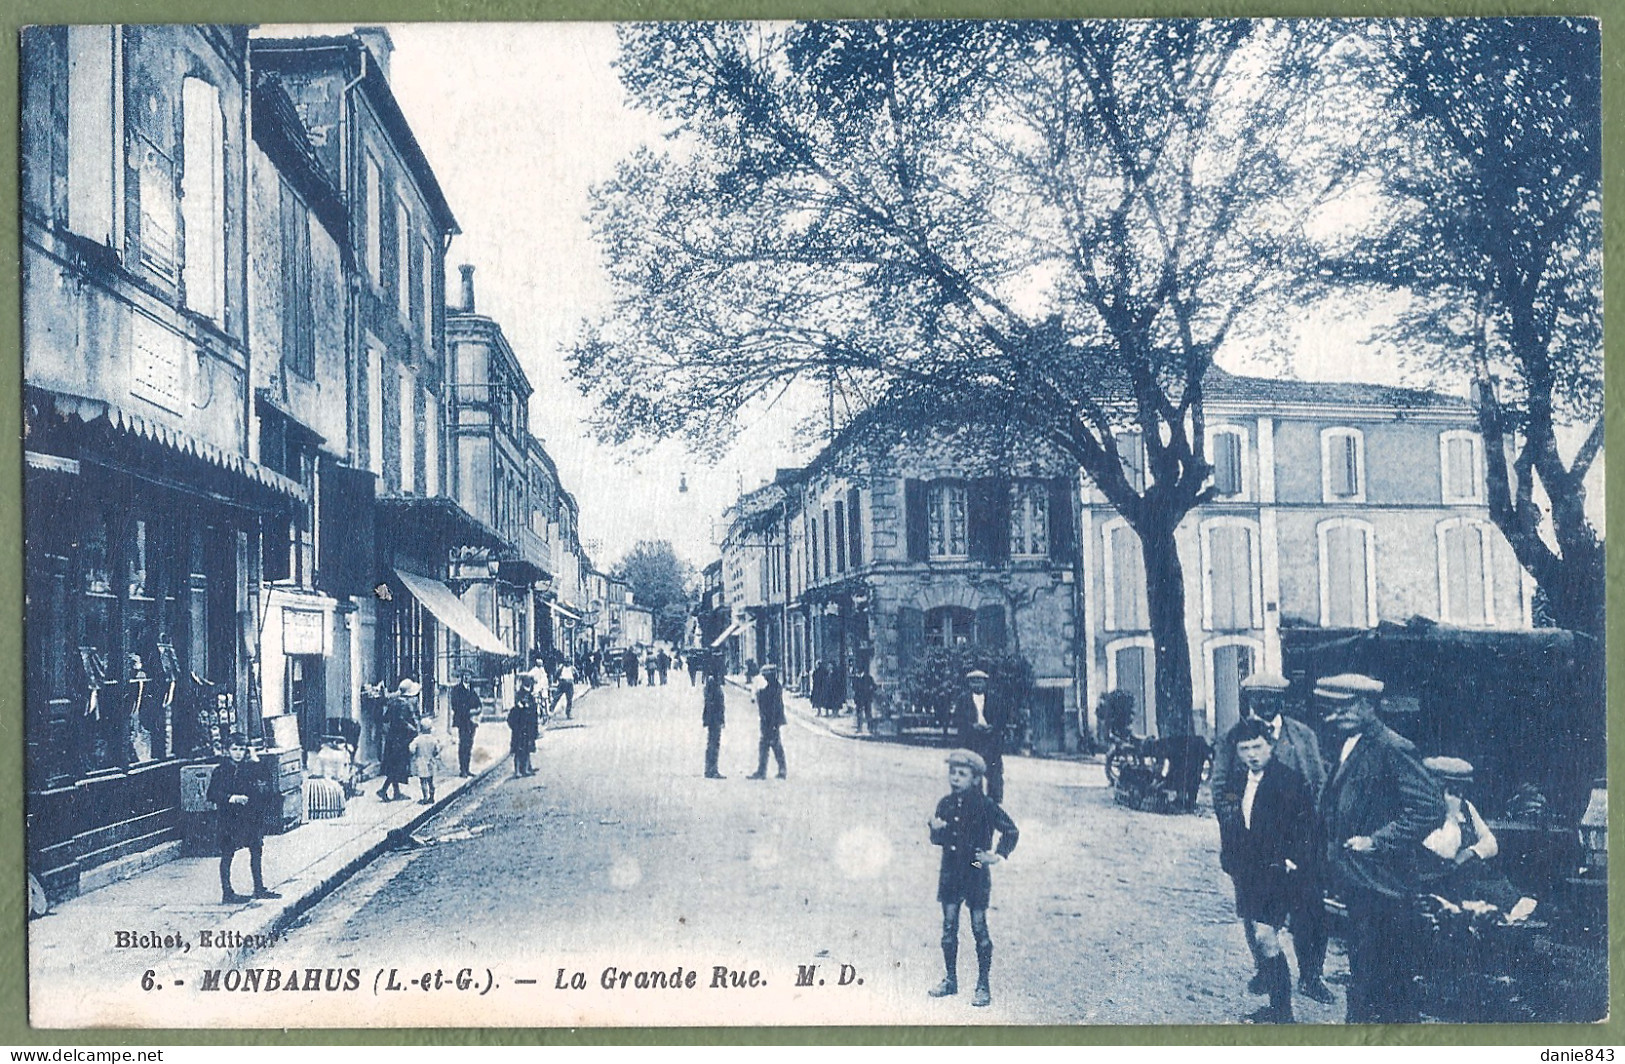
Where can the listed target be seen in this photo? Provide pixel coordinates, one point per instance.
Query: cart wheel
(38, 903)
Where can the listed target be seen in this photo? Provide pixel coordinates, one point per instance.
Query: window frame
(95, 193)
(1341, 432)
(1322, 560)
(947, 489)
(1109, 569)
(1255, 584)
(1243, 478)
(1025, 492)
(202, 208)
(1475, 494)
(1486, 563)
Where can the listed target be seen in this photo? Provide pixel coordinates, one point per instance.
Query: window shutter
(1128, 581)
(916, 520)
(910, 636)
(1227, 463)
(987, 518)
(202, 196)
(854, 529)
(990, 627)
(1132, 455)
(837, 532)
(1462, 477)
(275, 547)
(94, 148)
(345, 566)
(1063, 543)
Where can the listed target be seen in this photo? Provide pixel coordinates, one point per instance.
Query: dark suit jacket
(770, 707)
(971, 819)
(1381, 791)
(988, 740)
(715, 712)
(1282, 823)
(1297, 749)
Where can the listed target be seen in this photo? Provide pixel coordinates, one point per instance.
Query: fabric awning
(731, 630)
(449, 610)
(566, 612)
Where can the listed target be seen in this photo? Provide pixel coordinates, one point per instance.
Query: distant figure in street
(980, 717)
(465, 710)
(612, 668)
(565, 689)
(630, 663)
(425, 760)
(649, 666)
(820, 688)
(770, 710)
(713, 718)
(964, 825)
(400, 728)
(1265, 847)
(696, 662)
(1379, 805)
(663, 663)
(1294, 746)
(240, 791)
(863, 697)
(523, 725)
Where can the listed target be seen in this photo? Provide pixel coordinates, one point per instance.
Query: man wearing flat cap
(981, 717)
(1378, 806)
(1263, 697)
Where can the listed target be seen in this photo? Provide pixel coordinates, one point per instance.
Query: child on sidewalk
(963, 826)
(425, 757)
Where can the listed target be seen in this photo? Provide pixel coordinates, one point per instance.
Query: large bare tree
(1054, 225)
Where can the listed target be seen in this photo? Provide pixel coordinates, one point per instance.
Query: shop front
(142, 562)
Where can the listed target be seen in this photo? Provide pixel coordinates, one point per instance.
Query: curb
(287, 916)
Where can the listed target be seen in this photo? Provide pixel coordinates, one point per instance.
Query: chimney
(376, 40)
(468, 288)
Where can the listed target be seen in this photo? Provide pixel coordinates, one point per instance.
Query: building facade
(145, 511)
(1334, 506)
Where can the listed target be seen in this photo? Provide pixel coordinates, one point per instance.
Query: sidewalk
(304, 866)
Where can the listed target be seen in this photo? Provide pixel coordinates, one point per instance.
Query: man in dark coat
(1294, 745)
(1265, 841)
(713, 717)
(524, 724)
(770, 710)
(663, 663)
(465, 718)
(964, 824)
(240, 789)
(863, 698)
(1379, 805)
(820, 688)
(630, 663)
(981, 717)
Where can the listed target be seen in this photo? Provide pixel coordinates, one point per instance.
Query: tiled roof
(1223, 386)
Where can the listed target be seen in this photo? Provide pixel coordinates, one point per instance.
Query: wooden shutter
(854, 522)
(910, 636)
(203, 196)
(1063, 540)
(1464, 568)
(837, 532)
(1227, 463)
(345, 566)
(1461, 476)
(94, 153)
(990, 627)
(987, 518)
(916, 520)
(1230, 577)
(275, 547)
(1127, 581)
(1346, 605)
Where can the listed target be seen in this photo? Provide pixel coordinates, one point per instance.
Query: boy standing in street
(425, 756)
(238, 789)
(1265, 847)
(964, 825)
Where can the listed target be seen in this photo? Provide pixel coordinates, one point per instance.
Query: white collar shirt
(1247, 796)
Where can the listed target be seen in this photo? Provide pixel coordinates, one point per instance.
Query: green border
(13, 961)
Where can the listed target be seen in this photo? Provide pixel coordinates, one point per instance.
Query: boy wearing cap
(964, 825)
(1379, 805)
(238, 788)
(1265, 848)
(1263, 697)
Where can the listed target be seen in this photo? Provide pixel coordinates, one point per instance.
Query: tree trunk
(1165, 606)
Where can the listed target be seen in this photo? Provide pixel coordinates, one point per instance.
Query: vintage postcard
(814, 523)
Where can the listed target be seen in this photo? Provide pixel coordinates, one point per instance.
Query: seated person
(1464, 844)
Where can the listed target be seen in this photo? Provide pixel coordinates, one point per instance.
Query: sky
(519, 121)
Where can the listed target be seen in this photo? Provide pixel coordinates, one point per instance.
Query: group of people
(828, 689)
(1375, 826)
(654, 663)
(768, 693)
